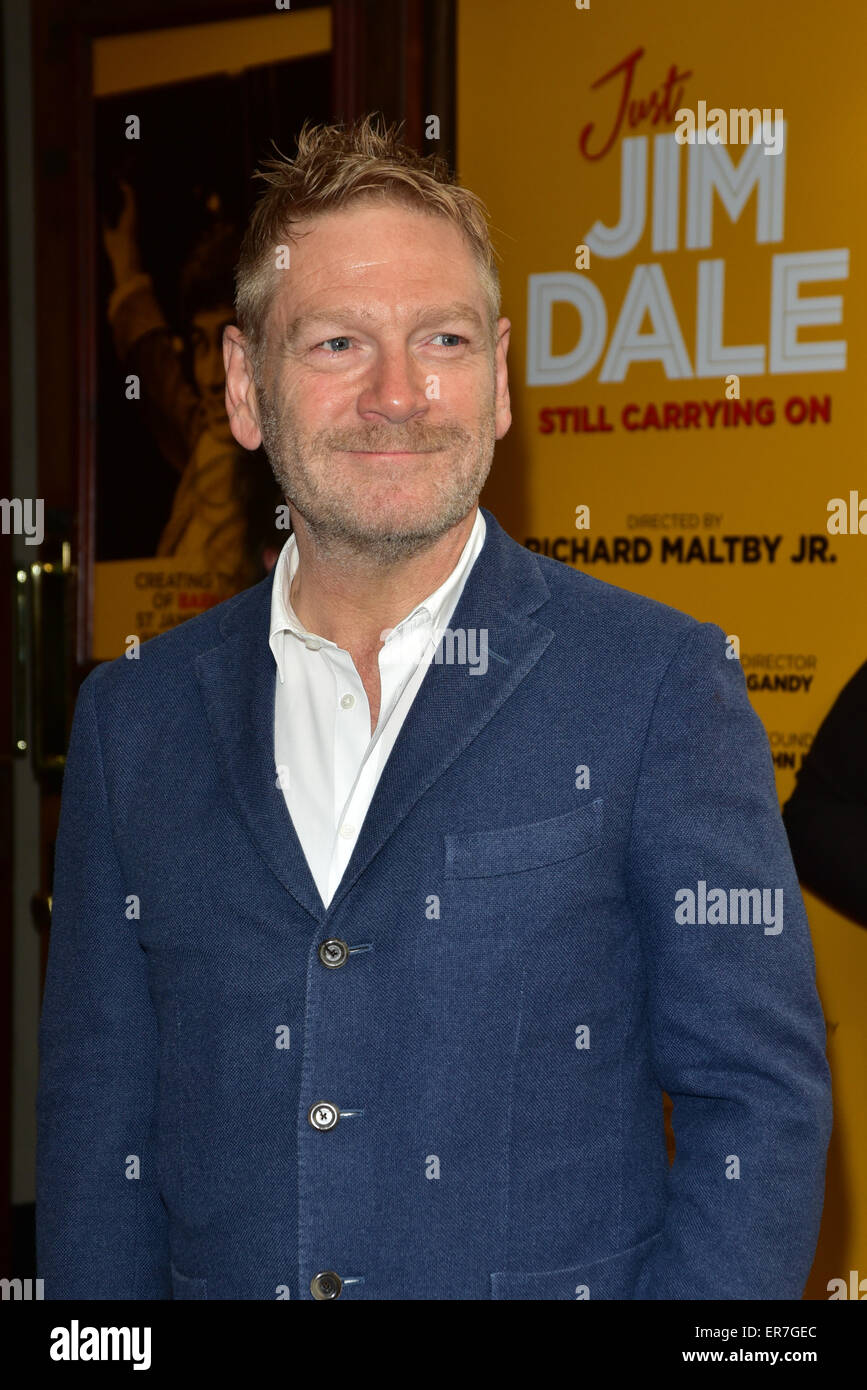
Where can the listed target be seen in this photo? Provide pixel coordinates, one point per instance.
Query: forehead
(372, 253)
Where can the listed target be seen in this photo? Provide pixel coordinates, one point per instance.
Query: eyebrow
(429, 314)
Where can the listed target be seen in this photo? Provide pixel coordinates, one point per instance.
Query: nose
(395, 387)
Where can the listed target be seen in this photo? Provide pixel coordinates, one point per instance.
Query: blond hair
(336, 165)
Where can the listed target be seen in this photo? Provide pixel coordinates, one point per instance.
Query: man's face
(382, 393)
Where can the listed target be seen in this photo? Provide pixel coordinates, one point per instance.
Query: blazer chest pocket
(487, 853)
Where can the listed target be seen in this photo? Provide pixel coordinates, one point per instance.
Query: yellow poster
(677, 202)
(138, 599)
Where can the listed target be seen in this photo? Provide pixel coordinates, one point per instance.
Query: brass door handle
(44, 635)
(40, 911)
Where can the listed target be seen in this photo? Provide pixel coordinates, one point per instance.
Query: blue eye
(327, 343)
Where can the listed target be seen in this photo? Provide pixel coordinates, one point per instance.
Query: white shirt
(327, 761)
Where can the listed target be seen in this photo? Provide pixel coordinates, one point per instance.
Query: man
(393, 892)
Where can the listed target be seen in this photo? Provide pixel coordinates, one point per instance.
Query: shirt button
(326, 1285)
(323, 1115)
(312, 644)
(347, 832)
(347, 701)
(334, 953)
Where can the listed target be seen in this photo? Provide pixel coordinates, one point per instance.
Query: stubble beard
(341, 528)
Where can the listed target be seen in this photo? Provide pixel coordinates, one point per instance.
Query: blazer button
(323, 1115)
(333, 953)
(326, 1285)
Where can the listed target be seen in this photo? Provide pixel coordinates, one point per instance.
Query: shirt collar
(433, 610)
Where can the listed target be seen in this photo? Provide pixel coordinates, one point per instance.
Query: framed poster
(182, 516)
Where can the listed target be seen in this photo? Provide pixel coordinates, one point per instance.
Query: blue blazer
(572, 891)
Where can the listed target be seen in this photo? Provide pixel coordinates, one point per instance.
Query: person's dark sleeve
(144, 344)
(826, 815)
(101, 1226)
(736, 1024)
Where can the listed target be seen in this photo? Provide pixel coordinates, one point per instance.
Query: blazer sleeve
(737, 1032)
(101, 1226)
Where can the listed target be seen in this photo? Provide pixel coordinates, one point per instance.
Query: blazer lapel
(237, 680)
(504, 585)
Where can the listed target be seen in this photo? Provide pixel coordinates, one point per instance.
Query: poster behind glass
(184, 517)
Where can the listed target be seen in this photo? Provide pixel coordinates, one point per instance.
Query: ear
(241, 404)
(502, 403)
